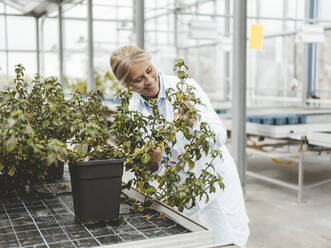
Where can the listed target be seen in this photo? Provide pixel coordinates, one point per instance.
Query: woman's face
(145, 79)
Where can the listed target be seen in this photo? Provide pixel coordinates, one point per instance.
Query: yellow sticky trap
(256, 39)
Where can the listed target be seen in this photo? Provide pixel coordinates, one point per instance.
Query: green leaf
(28, 130)
(51, 158)
(11, 171)
(140, 185)
(82, 149)
(1, 166)
(173, 136)
(191, 165)
(146, 158)
(150, 190)
(11, 144)
(207, 198)
(220, 183)
(186, 133)
(205, 148)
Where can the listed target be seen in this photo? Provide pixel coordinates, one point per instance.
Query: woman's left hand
(188, 104)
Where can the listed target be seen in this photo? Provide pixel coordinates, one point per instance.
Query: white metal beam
(90, 81)
(37, 44)
(238, 134)
(140, 23)
(61, 66)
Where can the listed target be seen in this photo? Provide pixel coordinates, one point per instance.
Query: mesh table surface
(47, 220)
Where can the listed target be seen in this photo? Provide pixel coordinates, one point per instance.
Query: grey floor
(277, 219)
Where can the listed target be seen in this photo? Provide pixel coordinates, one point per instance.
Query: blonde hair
(122, 60)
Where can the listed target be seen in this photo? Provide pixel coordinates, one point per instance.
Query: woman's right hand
(156, 158)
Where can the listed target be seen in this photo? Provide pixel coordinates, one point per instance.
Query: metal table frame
(291, 133)
(299, 158)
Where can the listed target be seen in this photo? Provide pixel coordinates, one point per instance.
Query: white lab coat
(225, 212)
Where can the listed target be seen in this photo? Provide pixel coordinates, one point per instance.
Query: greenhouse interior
(129, 123)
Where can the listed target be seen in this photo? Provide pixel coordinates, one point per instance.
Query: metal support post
(42, 47)
(37, 45)
(6, 41)
(61, 71)
(176, 33)
(227, 53)
(140, 23)
(310, 62)
(284, 64)
(257, 58)
(315, 54)
(238, 135)
(90, 81)
(301, 172)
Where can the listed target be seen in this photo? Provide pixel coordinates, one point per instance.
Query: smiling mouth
(150, 87)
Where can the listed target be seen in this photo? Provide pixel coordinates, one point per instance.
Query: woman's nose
(149, 80)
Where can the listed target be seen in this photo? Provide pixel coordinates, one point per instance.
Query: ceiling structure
(38, 8)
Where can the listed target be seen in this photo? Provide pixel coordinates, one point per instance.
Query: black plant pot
(96, 189)
(55, 172)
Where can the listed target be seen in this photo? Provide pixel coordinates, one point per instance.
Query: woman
(225, 213)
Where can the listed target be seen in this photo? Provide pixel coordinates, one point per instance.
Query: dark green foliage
(33, 128)
(39, 127)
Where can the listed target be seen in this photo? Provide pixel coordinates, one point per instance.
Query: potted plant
(33, 128)
(40, 129)
(95, 165)
(135, 142)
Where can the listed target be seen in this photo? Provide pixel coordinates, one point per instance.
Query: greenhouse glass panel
(3, 69)
(2, 32)
(21, 33)
(51, 65)
(27, 59)
(51, 34)
(79, 10)
(78, 38)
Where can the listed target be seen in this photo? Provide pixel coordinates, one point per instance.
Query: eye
(149, 69)
(138, 80)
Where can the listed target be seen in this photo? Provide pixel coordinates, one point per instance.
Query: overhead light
(310, 33)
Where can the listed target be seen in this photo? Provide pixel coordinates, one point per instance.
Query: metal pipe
(217, 42)
(256, 58)
(37, 45)
(187, 6)
(61, 66)
(284, 53)
(271, 180)
(315, 58)
(176, 34)
(184, 13)
(140, 23)
(117, 29)
(308, 56)
(301, 173)
(259, 17)
(80, 50)
(318, 184)
(6, 41)
(90, 81)
(238, 133)
(42, 47)
(227, 75)
(72, 18)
